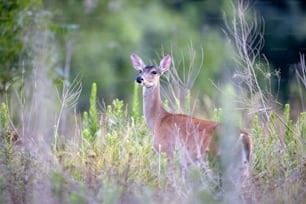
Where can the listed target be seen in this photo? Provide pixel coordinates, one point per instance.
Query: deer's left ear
(165, 63)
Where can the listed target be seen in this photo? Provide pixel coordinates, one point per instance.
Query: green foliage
(16, 17)
(116, 109)
(93, 113)
(124, 166)
(166, 105)
(6, 135)
(59, 183)
(16, 166)
(217, 114)
(288, 123)
(260, 161)
(91, 121)
(76, 198)
(110, 32)
(277, 150)
(4, 119)
(124, 157)
(302, 127)
(135, 108)
(277, 157)
(86, 131)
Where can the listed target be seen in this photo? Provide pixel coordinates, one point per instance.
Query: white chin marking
(147, 85)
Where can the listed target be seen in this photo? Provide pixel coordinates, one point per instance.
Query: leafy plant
(90, 121)
(4, 120)
(15, 19)
(135, 108)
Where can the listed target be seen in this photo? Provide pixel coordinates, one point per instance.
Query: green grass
(111, 160)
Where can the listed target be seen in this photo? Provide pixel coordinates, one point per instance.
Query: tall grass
(119, 166)
(278, 144)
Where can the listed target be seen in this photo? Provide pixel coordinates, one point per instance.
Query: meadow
(109, 158)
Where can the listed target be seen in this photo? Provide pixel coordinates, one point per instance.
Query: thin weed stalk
(70, 95)
(248, 41)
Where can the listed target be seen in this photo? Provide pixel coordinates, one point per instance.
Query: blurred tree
(110, 30)
(15, 17)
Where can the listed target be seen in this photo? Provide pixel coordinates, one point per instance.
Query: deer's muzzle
(139, 79)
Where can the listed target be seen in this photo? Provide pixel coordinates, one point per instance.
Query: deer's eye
(140, 71)
(153, 72)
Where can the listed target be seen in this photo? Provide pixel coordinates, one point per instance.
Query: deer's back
(194, 134)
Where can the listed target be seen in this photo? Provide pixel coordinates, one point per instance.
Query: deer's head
(149, 75)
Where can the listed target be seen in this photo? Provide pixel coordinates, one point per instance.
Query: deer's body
(199, 137)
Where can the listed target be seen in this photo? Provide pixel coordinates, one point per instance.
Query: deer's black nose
(139, 79)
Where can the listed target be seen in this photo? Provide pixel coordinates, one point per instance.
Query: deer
(199, 137)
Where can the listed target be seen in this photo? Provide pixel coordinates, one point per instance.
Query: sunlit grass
(119, 165)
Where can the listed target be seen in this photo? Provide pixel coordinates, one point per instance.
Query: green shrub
(90, 120)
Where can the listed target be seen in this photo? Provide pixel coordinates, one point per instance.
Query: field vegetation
(53, 152)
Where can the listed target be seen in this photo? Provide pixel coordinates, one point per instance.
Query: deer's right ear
(137, 62)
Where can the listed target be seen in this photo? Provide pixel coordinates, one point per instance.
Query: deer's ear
(137, 62)
(165, 63)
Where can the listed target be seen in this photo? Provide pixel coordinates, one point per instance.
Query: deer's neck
(152, 106)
